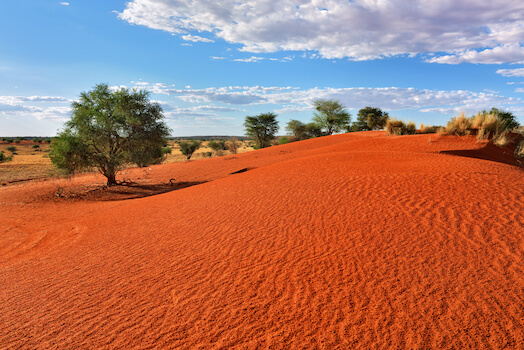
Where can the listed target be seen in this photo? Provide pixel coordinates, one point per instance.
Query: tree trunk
(111, 178)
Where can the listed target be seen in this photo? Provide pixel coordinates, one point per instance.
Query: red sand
(350, 241)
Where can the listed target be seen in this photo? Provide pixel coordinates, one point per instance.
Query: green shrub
(11, 149)
(188, 148)
(4, 158)
(217, 145)
(283, 140)
(36, 146)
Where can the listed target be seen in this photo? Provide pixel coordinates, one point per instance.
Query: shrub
(398, 127)
(490, 122)
(428, 129)
(11, 149)
(283, 140)
(217, 145)
(4, 158)
(166, 150)
(36, 146)
(233, 145)
(460, 125)
(188, 148)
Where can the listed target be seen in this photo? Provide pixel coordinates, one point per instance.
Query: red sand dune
(354, 241)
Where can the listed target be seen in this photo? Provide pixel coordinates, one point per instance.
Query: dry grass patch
(460, 125)
(398, 127)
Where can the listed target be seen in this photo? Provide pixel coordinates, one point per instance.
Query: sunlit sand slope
(351, 241)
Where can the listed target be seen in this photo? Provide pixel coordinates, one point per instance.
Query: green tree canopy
(370, 118)
(331, 116)
(297, 129)
(188, 148)
(262, 128)
(108, 130)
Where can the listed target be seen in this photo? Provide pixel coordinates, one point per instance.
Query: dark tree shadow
(490, 152)
(123, 191)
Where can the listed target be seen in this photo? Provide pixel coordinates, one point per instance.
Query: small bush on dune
(501, 139)
(398, 127)
(4, 158)
(428, 129)
(460, 125)
(490, 122)
(233, 145)
(11, 149)
(188, 148)
(519, 150)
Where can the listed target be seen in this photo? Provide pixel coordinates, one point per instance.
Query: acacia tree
(370, 118)
(331, 116)
(108, 130)
(188, 148)
(297, 129)
(262, 128)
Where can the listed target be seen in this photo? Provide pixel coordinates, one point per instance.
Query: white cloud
(519, 72)
(196, 38)
(250, 59)
(498, 55)
(64, 3)
(292, 100)
(519, 90)
(460, 31)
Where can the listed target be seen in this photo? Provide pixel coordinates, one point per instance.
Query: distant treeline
(209, 138)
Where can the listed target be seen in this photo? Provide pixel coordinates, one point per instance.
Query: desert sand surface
(353, 241)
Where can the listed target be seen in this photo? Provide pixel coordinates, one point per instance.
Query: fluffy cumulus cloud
(455, 31)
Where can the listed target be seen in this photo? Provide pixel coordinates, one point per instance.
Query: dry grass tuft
(460, 125)
(482, 135)
(519, 150)
(489, 122)
(428, 129)
(501, 139)
(398, 127)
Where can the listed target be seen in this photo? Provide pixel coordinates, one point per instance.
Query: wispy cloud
(64, 3)
(196, 38)
(456, 31)
(518, 72)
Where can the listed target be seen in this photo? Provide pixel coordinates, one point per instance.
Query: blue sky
(211, 63)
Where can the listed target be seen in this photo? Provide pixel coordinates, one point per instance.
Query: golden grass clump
(460, 125)
(428, 129)
(398, 127)
(490, 122)
(519, 150)
(501, 139)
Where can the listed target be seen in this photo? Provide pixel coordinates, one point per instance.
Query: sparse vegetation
(4, 158)
(428, 129)
(460, 125)
(370, 118)
(398, 127)
(262, 128)
(217, 146)
(233, 145)
(110, 129)
(11, 149)
(331, 116)
(188, 148)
